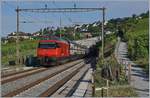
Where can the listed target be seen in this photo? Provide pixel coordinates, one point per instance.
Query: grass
(117, 92)
(117, 88)
(138, 45)
(143, 64)
(27, 47)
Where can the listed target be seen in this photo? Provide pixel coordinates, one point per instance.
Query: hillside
(138, 38)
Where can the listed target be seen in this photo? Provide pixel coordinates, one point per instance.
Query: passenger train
(54, 51)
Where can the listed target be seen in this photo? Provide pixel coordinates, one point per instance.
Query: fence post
(93, 86)
(102, 92)
(107, 86)
(129, 73)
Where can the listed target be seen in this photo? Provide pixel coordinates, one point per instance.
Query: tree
(11, 40)
(145, 15)
(134, 16)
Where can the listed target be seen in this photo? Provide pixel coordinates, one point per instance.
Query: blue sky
(115, 9)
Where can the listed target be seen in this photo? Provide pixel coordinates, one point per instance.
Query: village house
(87, 34)
(20, 35)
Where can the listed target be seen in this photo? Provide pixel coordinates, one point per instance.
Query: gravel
(14, 85)
(20, 74)
(11, 70)
(70, 86)
(83, 86)
(45, 85)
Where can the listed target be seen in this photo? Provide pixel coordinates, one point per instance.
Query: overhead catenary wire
(66, 16)
(70, 20)
(35, 21)
(25, 18)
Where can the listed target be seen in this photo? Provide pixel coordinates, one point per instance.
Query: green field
(27, 47)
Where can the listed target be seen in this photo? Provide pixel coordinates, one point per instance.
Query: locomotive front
(51, 51)
(48, 49)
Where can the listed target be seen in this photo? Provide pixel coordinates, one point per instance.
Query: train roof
(57, 39)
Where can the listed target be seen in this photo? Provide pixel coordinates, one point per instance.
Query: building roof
(20, 34)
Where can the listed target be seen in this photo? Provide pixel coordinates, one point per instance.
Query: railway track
(20, 74)
(14, 70)
(40, 82)
(52, 85)
(69, 88)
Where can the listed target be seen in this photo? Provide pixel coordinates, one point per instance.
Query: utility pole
(102, 35)
(17, 38)
(74, 32)
(60, 28)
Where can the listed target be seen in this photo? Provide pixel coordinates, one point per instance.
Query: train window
(47, 45)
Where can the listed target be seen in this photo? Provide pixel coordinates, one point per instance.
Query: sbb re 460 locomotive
(56, 51)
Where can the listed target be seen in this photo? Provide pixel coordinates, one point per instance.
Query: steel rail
(58, 84)
(7, 79)
(69, 87)
(14, 73)
(19, 90)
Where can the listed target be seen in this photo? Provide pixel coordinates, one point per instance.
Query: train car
(55, 51)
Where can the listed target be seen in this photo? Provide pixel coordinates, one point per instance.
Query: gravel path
(139, 79)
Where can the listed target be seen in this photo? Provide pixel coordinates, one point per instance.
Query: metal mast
(17, 38)
(60, 27)
(102, 35)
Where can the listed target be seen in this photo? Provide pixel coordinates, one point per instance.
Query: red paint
(54, 48)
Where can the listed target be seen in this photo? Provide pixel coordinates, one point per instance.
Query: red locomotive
(53, 48)
(55, 51)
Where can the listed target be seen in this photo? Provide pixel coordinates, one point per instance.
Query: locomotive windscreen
(47, 45)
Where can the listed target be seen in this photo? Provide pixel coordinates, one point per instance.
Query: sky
(114, 9)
